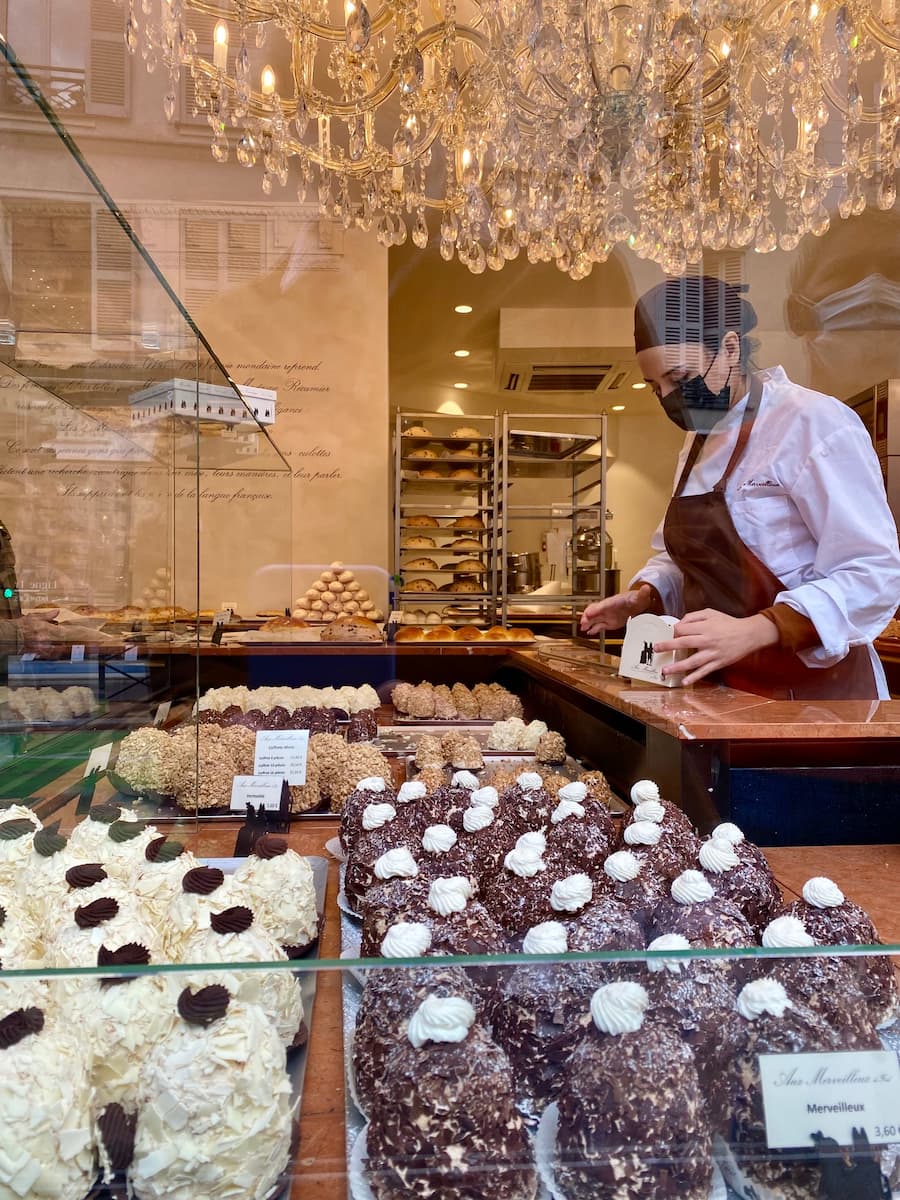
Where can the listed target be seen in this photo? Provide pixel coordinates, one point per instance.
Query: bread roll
(496, 633)
(327, 577)
(421, 564)
(418, 541)
(440, 633)
(467, 633)
(336, 587)
(420, 585)
(410, 633)
(417, 431)
(469, 522)
(465, 431)
(421, 521)
(464, 546)
(469, 566)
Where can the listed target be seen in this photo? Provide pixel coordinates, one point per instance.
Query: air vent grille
(567, 378)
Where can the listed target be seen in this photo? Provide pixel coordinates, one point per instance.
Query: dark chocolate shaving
(117, 1128)
(105, 814)
(48, 842)
(126, 831)
(161, 850)
(233, 920)
(18, 1025)
(89, 916)
(202, 881)
(205, 1006)
(2, 915)
(269, 846)
(11, 830)
(85, 875)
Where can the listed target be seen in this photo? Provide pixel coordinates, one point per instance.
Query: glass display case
(145, 505)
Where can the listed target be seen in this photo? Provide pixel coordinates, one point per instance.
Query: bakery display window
(145, 509)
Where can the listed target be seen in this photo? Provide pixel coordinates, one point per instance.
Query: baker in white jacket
(778, 549)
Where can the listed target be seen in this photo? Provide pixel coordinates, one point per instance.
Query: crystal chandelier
(557, 127)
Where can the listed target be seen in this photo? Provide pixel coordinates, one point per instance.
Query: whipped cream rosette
(46, 1145)
(277, 884)
(215, 1111)
(696, 911)
(234, 936)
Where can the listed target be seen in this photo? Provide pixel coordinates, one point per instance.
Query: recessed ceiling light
(618, 408)
(639, 387)
(463, 308)
(461, 353)
(460, 385)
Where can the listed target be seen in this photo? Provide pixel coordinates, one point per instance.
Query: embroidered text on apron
(722, 573)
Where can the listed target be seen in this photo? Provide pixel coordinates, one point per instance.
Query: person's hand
(614, 611)
(716, 640)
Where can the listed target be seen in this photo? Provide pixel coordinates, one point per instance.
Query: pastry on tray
(420, 585)
(470, 522)
(418, 541)
(421, 521)
(356, 628)
(421, 564)
(465, 545)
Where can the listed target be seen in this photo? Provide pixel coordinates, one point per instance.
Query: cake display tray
(296, 1058)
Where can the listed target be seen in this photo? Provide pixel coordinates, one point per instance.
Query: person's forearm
(796, 632)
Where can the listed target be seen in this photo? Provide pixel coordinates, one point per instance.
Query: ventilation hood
(560, 352)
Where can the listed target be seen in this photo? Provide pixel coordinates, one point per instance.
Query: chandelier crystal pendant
(557, 127)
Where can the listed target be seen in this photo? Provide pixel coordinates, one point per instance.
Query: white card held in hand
(639, 660)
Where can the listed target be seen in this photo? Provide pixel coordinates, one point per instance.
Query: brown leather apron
(722, 573)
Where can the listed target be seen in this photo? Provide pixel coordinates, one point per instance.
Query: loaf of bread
(469, 522)
(421, 564)
(422, 521)
(420, 585)
(418, 541)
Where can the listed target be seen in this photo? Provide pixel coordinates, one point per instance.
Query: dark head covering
(692, 308)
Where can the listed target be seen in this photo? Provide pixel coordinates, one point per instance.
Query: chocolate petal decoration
(269, 846)
(18, 1025)
(85, 875)
(10, 831)
(202, 881)
(2, 916)
(205, 1006)
(105, 814)
(117, 1128)
(233, 920)
(132, 954)
(126, 831)
(89, 916)
(161, 850)
(48, 842)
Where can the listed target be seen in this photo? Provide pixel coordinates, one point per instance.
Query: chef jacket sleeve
(661, 573)
(854, 583)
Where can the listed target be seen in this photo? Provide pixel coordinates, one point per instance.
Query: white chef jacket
(807, 497)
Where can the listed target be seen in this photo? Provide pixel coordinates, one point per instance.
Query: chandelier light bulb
(461, 386)
(463, 308)
(267, 81)
(725, 48)
(461, 353)
(220, 46)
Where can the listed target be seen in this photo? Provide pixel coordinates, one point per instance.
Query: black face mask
(695, 407)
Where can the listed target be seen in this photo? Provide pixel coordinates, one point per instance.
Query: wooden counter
(787, 772)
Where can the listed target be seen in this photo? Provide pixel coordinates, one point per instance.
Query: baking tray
(296, 1058)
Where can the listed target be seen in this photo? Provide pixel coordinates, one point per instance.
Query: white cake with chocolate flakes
(632, 1120)
(443, 1119)
(215, 1111)
(277, 884)
(46, 1144)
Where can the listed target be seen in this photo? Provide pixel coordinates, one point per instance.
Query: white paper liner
(545, 1153)
(335, 849)
(357, 1183)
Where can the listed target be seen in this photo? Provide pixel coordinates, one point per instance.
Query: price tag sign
(162, 712)
(831, 1094)
(78, 653)
(131, 653)
(283, 753)
(262, 791)
(98, 759)
(27, 657)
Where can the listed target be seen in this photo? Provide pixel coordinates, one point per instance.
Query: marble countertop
(708, 711)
